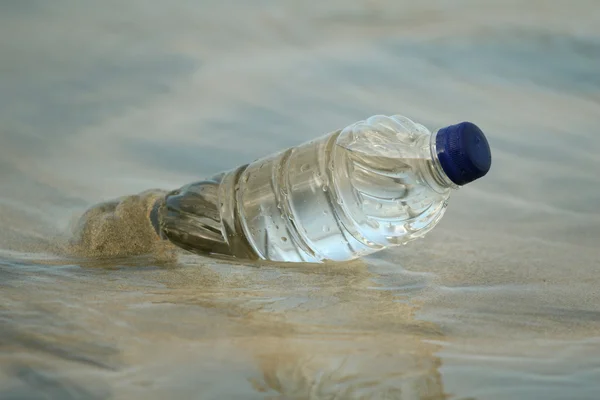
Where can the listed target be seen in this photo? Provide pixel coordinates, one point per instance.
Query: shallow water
(100, 100)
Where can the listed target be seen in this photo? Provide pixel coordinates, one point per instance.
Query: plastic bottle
(377, 183)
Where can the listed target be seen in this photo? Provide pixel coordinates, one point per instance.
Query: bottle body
(375, 184)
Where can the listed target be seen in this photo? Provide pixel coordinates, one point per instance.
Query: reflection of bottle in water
(371, 365)
(375, 184)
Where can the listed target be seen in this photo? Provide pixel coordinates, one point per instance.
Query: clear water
(359, 190)
(104, 99)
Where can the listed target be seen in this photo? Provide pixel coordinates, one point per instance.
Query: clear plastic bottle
(374, 184)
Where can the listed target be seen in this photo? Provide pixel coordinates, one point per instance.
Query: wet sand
(99, 101)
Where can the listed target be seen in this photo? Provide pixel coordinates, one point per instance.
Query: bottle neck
(436, 176)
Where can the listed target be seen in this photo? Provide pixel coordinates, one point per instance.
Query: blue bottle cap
(464, 152)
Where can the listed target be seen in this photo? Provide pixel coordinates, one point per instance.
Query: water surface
(104, 99)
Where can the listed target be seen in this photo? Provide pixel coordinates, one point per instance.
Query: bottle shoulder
(385, 176)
